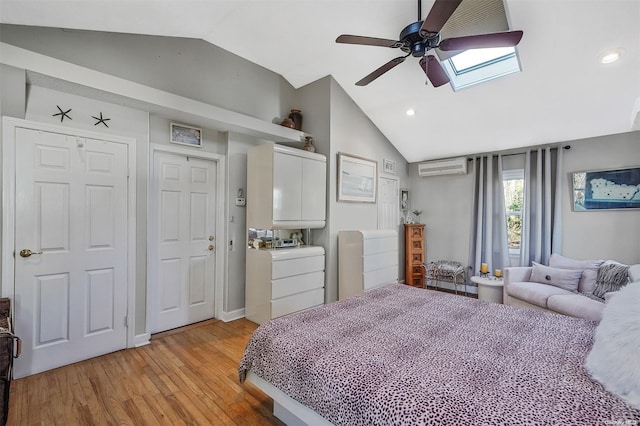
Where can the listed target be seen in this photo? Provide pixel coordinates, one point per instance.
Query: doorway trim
(9, 170)
(220, 252)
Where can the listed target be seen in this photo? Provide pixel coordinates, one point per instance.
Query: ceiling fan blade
(368, 41)
(377, 73)
(481, 41)
(439, 14)
(434, 70)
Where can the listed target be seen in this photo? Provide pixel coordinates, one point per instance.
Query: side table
(489, 288)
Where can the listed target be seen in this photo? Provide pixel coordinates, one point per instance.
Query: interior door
(183, 271)
(388, 203)
(70, 248)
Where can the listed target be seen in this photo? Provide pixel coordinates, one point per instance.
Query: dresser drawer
(380, 276)
(296, 302)
(298, 266)
(379, 260)
(296, 284)
(378, 245)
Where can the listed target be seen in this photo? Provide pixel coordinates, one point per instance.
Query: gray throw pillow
(611, 277)
(589, 270)
(566, 279)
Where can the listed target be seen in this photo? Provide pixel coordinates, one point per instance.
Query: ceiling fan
(418, 38)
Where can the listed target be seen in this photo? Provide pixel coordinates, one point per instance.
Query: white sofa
(520, 290)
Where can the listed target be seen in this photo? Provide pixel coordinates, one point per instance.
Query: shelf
(52, 73)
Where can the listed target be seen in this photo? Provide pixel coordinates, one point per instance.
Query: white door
(388, 203)
(71, 212)
(183, 271)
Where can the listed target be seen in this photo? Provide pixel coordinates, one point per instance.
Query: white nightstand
(489, 288)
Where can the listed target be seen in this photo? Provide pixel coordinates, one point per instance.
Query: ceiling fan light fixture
(611, 56)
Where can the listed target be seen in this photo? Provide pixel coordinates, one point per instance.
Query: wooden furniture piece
(282, 281)
(366, 259)
(489, 288)
(414, 254)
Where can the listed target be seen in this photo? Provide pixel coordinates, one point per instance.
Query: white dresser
(282, 281)
(366, 259)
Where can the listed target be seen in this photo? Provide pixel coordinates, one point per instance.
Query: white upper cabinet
(286, 188)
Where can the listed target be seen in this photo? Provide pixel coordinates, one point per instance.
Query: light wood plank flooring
(185, 376)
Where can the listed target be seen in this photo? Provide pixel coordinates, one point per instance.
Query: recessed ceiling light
(411, 112)
(611, 56)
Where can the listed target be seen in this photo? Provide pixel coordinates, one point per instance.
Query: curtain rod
(566, 147)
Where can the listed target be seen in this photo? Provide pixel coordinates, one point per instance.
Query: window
(478, 65)
(513, 183)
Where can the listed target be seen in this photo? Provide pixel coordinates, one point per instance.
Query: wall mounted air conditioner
(452, 166)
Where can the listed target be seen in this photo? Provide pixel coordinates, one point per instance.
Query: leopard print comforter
(405, 356)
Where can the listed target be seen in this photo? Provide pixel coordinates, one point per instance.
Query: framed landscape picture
(617, 189)
(357, 179)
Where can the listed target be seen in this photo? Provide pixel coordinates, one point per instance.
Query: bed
(401, 355)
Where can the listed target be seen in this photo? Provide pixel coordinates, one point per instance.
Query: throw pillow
(589, 270)
(613, 360)
(611, 277)
(567, 279)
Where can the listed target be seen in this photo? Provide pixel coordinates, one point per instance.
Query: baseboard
(141, 340)
(233, 315)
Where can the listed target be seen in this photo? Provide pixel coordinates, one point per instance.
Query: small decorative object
(606, 190)
(497, 273)
(409, 219)
(186, 135)
(63, 114)
(484, 269)
(296, 117)
(404, 200)
(287, 122)
(417, 213)
(357, 179)
(308, 144)
(101, 120)
(389, 166)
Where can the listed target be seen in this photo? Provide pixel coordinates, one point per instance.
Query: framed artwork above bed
(617, 189)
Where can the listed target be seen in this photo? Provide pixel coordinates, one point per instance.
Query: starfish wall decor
(63, 114)
(101, 120)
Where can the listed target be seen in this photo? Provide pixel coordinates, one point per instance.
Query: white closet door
(388, 203)
(71, 213)
(182, 274)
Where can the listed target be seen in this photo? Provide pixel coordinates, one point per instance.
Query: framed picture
(389, 166)
(606, 189)
(186, 135)
(404, 200)
(357, 179)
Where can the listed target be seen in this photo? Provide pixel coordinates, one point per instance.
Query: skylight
(479, 65)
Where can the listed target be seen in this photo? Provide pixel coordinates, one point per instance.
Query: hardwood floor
(185, 376)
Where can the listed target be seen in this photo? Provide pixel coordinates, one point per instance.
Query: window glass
(513, 183)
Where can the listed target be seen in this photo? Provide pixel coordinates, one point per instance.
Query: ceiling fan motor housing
(414, 43)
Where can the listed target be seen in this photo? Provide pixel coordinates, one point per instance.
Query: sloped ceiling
(563, 92)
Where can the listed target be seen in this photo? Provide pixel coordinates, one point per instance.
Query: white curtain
(542, 207)
(488, 223)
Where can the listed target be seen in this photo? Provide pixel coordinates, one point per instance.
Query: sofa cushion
(567, 279)
(589, 270)
(534, 293)
(611, 277)
(576, 305)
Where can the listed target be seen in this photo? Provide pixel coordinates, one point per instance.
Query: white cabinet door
(287, 187)
(314, 190)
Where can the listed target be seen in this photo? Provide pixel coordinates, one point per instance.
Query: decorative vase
(308, 144)
(296, 117)
(287, 122)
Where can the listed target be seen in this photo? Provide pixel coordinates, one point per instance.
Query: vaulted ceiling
(563, 92)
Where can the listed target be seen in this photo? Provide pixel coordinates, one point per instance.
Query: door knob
(211, 237)
(211, 247)
(27, 252)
